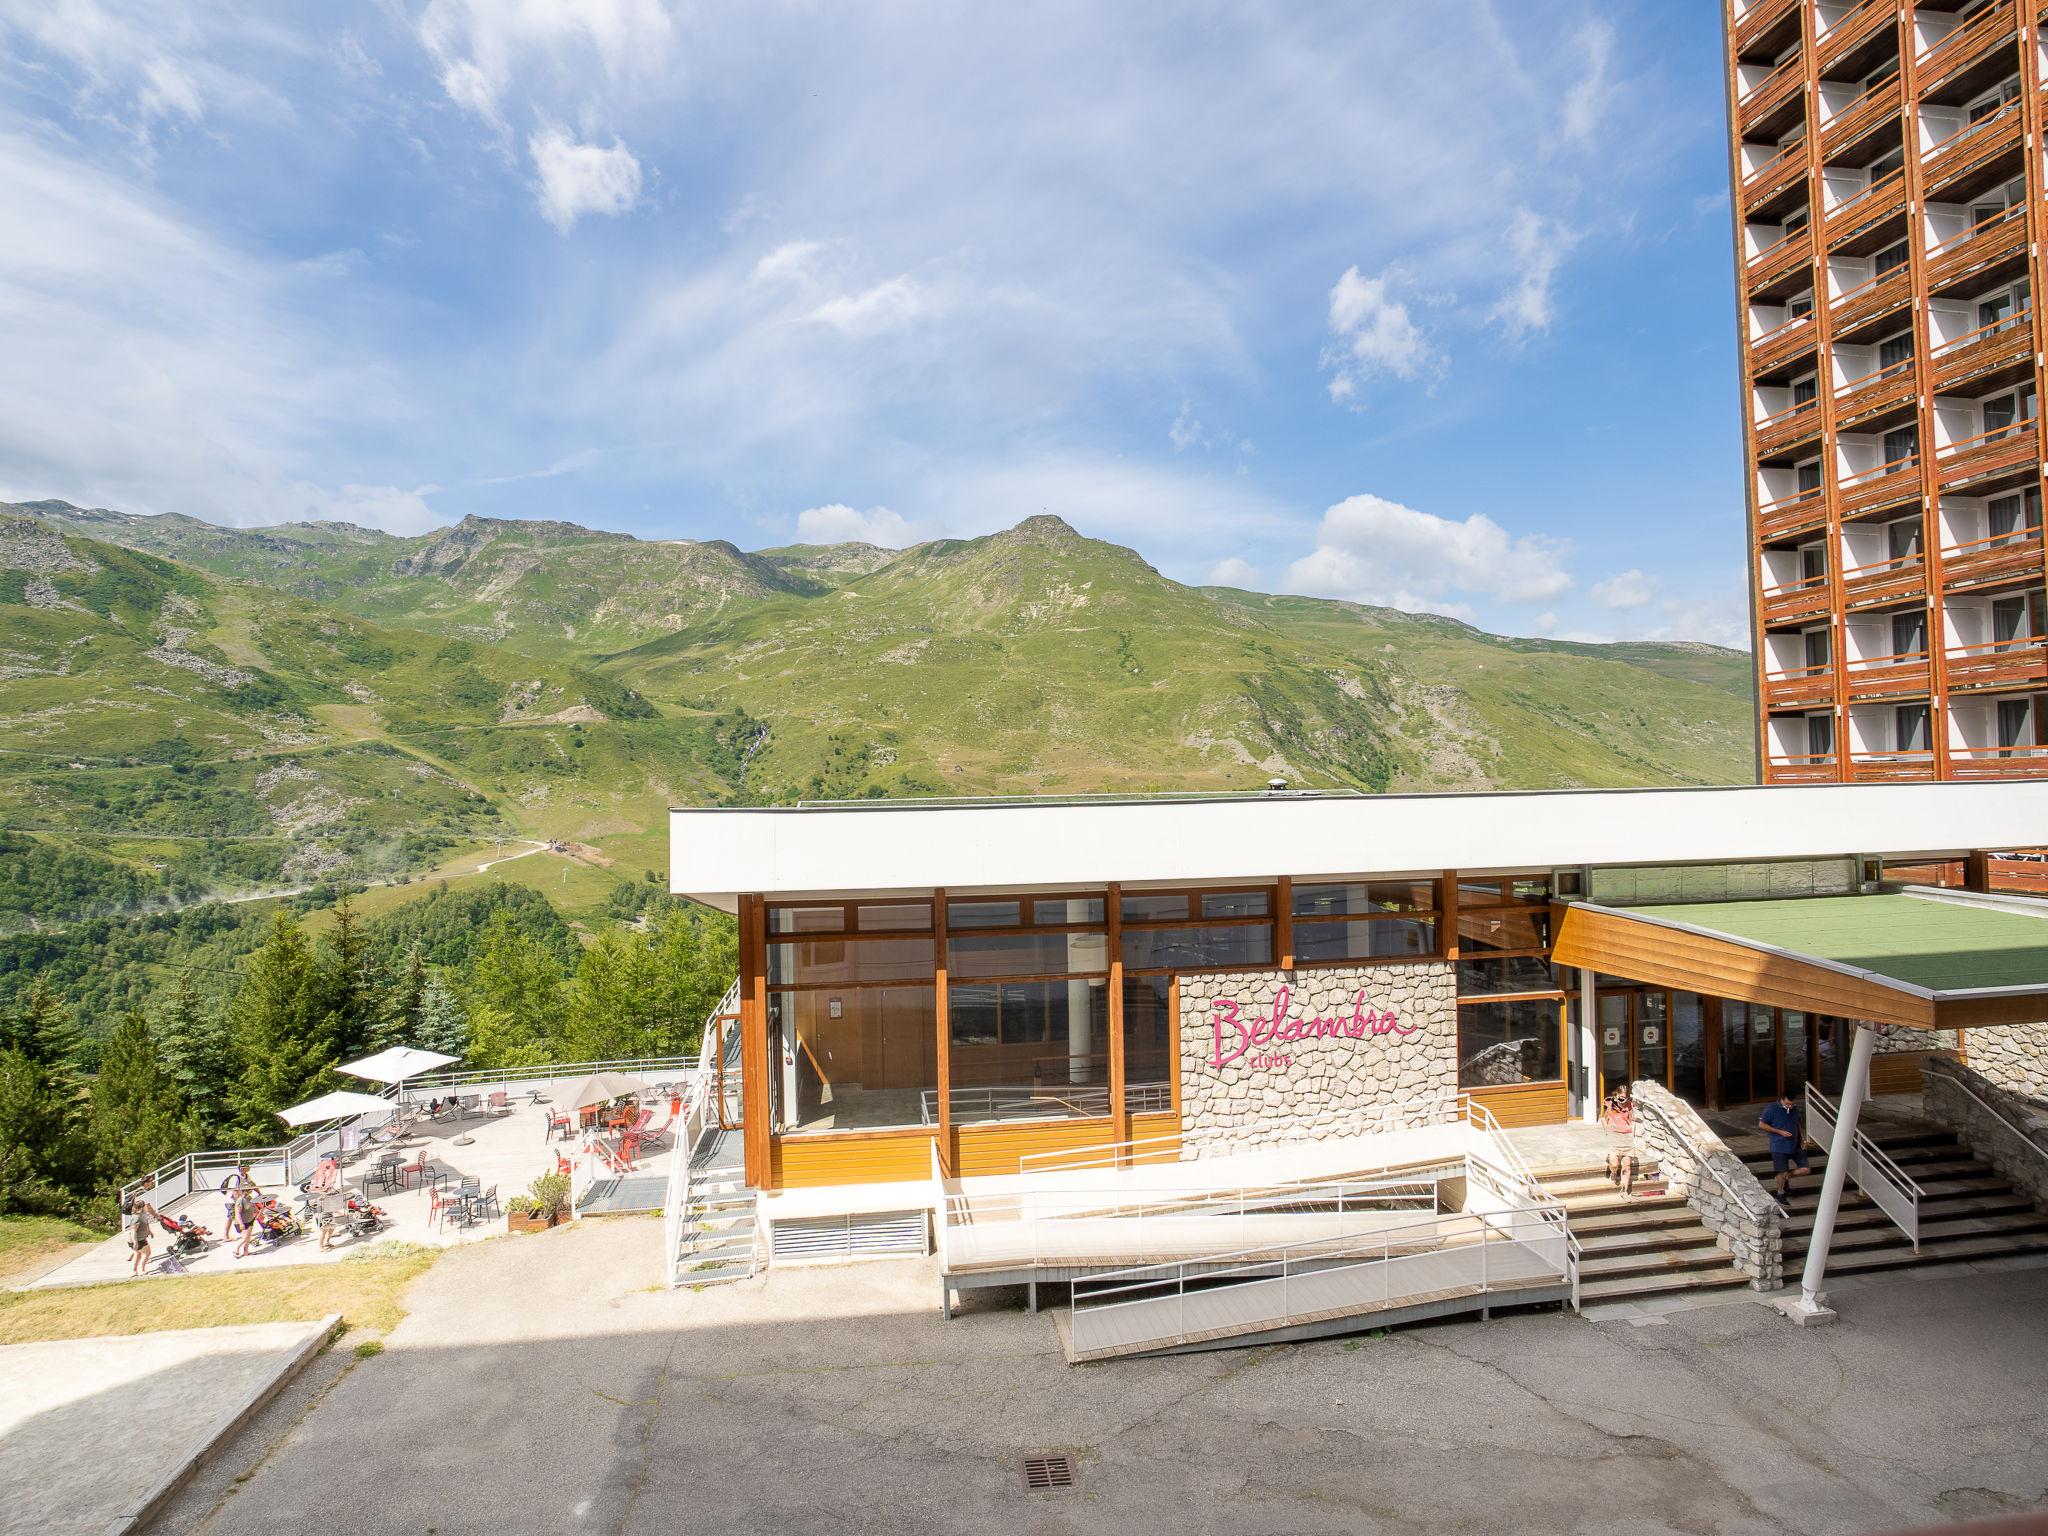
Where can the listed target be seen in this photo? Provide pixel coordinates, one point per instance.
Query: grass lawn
(368, 1292)
(32, 1244)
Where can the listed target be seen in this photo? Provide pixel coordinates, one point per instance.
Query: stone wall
(2014, 1056)
(1743, 1218)
(1328, 1052)
(1946, 1104)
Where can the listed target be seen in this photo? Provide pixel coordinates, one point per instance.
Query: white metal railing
(1752, 1202)
(432, 1084)
(1995, 1113)
(696, 1121)
(1473, 1253)
(1873, 1169)
(1028, 1101)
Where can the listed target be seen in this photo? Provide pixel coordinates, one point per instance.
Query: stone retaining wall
(1743, 1218)
(2014, 1056)
(1326, 1051)
(1947, 1105)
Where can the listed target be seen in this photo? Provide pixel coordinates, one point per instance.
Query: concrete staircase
(1967, 1210)
(1632, 1247)
(720, 1239)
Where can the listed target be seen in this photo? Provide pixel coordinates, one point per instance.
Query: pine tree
(404, 1018)
(696, 953)
(45, 1163)
(354, 986)
(442, 1026)
(281, 1031)
(616, 1002)
(140, 1118)
(192, 1043)
(514, 999)
(41, 1029)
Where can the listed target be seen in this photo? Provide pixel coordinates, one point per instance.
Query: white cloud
(1585, 104)
(483, 49)
(793, 261)
(1375, 334)
(1372, 550)
(1234, 571)
(1539, 245)
(1630, 589)
(389, 507)
(841, 524)
(886, 305)
(1185, 432)
(577, 178)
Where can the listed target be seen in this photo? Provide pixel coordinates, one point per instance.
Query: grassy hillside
(189, 709)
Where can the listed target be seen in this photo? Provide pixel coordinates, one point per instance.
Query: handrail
(1995, 1113)
(1793, 151)
(2004, 323)
(1981, 22)
(1262, 1133)
(1804, 583)
(1790, 67)
(1897, 659)
(1882, 182)
(1940, 247)
(1901, 754)
(1764, 339)
(696, 1120)
(1969, 129)
(1803, 760)
(2018, 749)
(1873, 1168)
(1995, 647)
(1811, 402)
(1742, 1202)
(1811, 493)
(1800, 674)
(1950, 450)
(2029, 533)
(1880, 471)
(1898, 369)
(1891, 564)
(1900, 271)
(428, 1081)
(1779, 244)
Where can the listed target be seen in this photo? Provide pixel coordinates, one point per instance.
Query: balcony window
(2015, 618)
(2002, 311)
(1909, 727)
(1994, 101)
(1902, 540)
(2007, 413)
(1889, 260)
(1895, 354)
(1820, 736)
(1798, 308)
(2015, 724)
(1995, 205)
(1805, 391)
(1808, 476)
(1819, 652)
(1901, 447)
(2015, 518)
(1909, 633)
(1813, 562)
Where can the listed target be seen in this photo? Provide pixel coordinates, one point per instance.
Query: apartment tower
(1889, 208)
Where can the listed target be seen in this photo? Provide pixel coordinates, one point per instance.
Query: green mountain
(189, 707)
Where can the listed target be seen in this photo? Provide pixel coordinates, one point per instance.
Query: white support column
(1811, 1306)
(1589, 1043)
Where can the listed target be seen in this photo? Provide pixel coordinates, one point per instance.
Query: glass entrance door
(1635, 1038)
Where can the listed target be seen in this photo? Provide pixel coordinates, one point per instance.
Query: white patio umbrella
(343, 1104)
(601, 1088)
(396, 1065)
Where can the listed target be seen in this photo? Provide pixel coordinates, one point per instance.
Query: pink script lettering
(1277, 1024)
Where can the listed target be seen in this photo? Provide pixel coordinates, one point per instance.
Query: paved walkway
(547, 1385)
(89, 1426)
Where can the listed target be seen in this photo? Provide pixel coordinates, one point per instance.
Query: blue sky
(1425, 304)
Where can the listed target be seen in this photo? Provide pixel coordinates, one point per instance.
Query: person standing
(140, 1231)
(1785, 1126)
(245, 1216)
(231, 1192)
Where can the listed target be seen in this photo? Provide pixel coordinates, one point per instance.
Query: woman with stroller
(140, 1230)
(245, 1218)
(231, 1189)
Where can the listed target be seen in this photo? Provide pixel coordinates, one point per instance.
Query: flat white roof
(917, 845)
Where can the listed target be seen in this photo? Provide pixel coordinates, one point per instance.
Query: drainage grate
(1043, 1473)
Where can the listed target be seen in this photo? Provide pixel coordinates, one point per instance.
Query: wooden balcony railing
(2013, 663)
(1887, 677)
(1792, 514)
(2003, 343)
(1872, 206)
(1891, 767)
(1788, 428)
(1997, 452)
(1806, 598)
(1779, 345)
(1851, 30)
(1885, 581)
(1866, 112)
(1997, 762)
(1883, 389)
(1800, 687)
(1867, 300)
(1988, 29)
(1886, 485)
(1775, 175)
(1759, 18)
(1771, 92)
(1983, 140)
(1787, 255)
(1985, 243)
(1801, 768)
(2001, 557)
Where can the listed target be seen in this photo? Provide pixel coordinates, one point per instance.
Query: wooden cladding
(851, 1157)
(904, 1156)
(1716, 966)
(1525, 1103)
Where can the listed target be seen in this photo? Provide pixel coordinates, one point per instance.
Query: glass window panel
(1486, 978)
(1026, 954)
(846, 962)
(1504, 1043)
(1364, 939)
(983, 914)
(1734, 1053)
(1495, 892)
(1182, 949)
(863, 1059)
(1653, 1036)
(1148, 1044)
(806, 919)
(1689, 1047)
(1029, 1050)
(894, 914)
(1153, 906)
(1078, 909)
(1504, 928)
(1234, 904)
(1364, 896)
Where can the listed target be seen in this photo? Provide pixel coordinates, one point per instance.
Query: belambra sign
(1247, 1035)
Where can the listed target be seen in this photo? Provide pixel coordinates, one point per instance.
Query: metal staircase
(713, 1234)
(720, 1239)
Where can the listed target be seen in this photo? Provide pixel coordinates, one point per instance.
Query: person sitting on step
(1622, 1168)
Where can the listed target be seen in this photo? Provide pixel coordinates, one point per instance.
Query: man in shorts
(1785, 1127)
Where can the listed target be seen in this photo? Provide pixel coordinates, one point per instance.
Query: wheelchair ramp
(1449, 1264)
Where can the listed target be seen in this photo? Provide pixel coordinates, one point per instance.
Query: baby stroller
(363, 1217)
(274, 1222)
(186, 1236)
